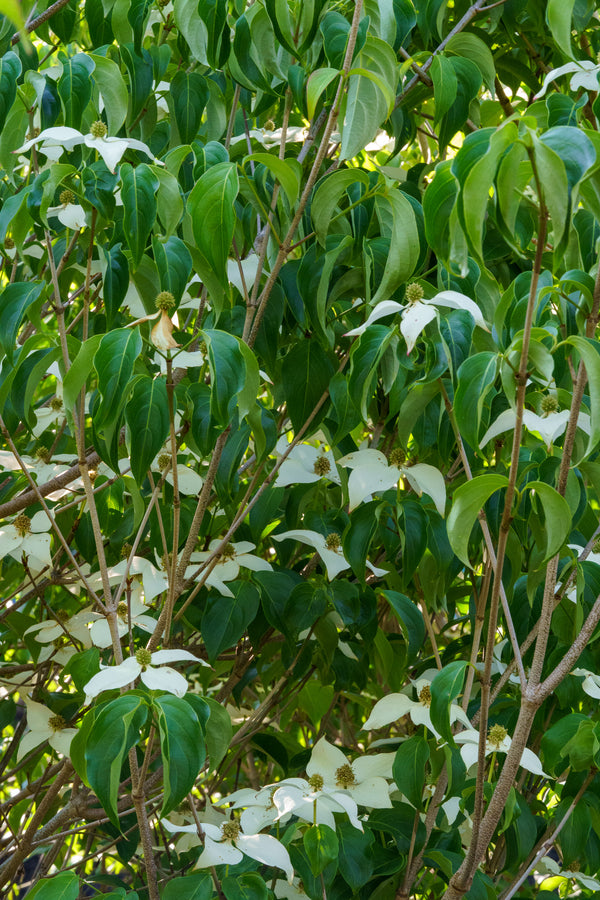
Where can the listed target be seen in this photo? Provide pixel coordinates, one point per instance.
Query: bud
(98, 129)
(549, 405)
(66, 197)
(161, 334)
(414, 292)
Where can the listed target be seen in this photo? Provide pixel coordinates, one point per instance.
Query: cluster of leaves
(299, 391)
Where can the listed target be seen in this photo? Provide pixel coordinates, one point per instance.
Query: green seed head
(8, 243)
(57, 723)
(425, 695)
(397, 457)
(496, 735)
(231, 830)
(344, 776)
(414, 293)
(549, 405)
(126, 551)
(143, 657)
(98, 129)
(22, 524)
(66, 197)
(165, 301)
(43, 454)
(56, 404)
(322, 466)
(164, 461)
(122, 610)
(228, 552)
(333, 542)
(316, 782)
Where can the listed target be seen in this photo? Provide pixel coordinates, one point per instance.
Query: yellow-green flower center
(8, 243)
(549, 405)
(344, 776)
(496, 735)
(66, 197)
(231, 831)
(164, 461)
(425, 695)
(322, 466)
(57, 723)
(56, 404)
(414, 293)
(126, 550)
(122, 610)
(22, 525)
(228, 552)
(143, 657)
(98, 129)
(397, 457)
(316, 782)
(165, 301)
(333, 542)
(62, 615)
(43, 454)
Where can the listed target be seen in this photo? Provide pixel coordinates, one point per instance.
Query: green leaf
(468, 501)
(245, 887)
(315, 85)
(169, 202)
(115, 731)
(99, 188)
(590, 354)
(181, 746)
(198, 886)
(365, 357)
(111, 85)
(404, 244)
(445, 687)
(555, 185)
(174, 263)
(225, 619)
(218, 733)
(410, 619)
(472, 47)
(114, 360)
(137, 16)
(10, 69)
(211, 207)
(322, 847)
(191, 26)
(370, 91)
(476, 377)
(189, 93)
(147, 417)
(438, 203)
(288, 172)
(15, 300)
(138, 193)
(355, 855)
(444, 84)
(227, 373)
(214, 15)
(64, 886)
(358, 537)
(557, 514)
(75, 86)
(327, 196)
(305, 374)
(77, 374)
(558, 17)
(409, 769)
(116, 281)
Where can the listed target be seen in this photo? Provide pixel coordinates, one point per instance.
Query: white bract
(312, 801)
(393, 707)
(100, 632)
(585, 76)
(27, 536)
(371, 472)
(591, 682)
(498, 741)
(143, 665)
(329, 549)
(227, 844)
(418, 314)
(188, 480)
(76, 626)
(54, 412)
(547, 427)
(258, 807)
(44, 725)
(52, 142)
(233, 557)
(364, 779)
(305, 464)
(72, 215)
(551, 869)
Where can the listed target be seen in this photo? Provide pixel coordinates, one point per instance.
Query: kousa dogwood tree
(300, 473)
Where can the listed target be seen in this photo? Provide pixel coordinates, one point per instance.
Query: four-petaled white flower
(53, 141)
(54, 412)
(232, 558)
(76, 626)
(71, 214)
(142, 665)
(27, 536)
(548, 427)
(395, 706)
(497, 741)
(44, 725)
(305, 465)
(134, 611)
(188, 480)
(258, 808)
(591, 682)
(364, 779)
(585, 76)
(227, 844)
(419, 312)
(329, 549)
(371, 472)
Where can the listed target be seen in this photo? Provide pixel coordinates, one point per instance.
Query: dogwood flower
(54, 412)
(364, 779)
(227, 844)
(188, 480)
(69, 213)
(258, 808)
(313, 801)
(548, 427)
(395, 706)
(233, 557)
(329, 549)
(419, 311)
(591, 682)
(371, 472)
(305, 464)
(42, 467)
(27, 536)
(60, 138)
(497, 741)
(44, 725)
(549, 868)
(143, 665)
(585, 76)
(76, 626)
(134, 612)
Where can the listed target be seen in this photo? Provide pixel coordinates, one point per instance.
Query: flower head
(44, 725)
(143, 665)
(27, 536)
(306, 464)
(371, 472)
(498, 741)
(53, 141)
(395, 706)
(364, 779)
(233, 557)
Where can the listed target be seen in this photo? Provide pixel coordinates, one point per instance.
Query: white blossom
(305, 464)
(233, 557)
(329, 549)
(27, 536)
(585, 76)
(394, 706)
(44, 725)
(371, 472)
(364, 779)
(498, 741)
(133, 613)
(143, 665)
(53, 141)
